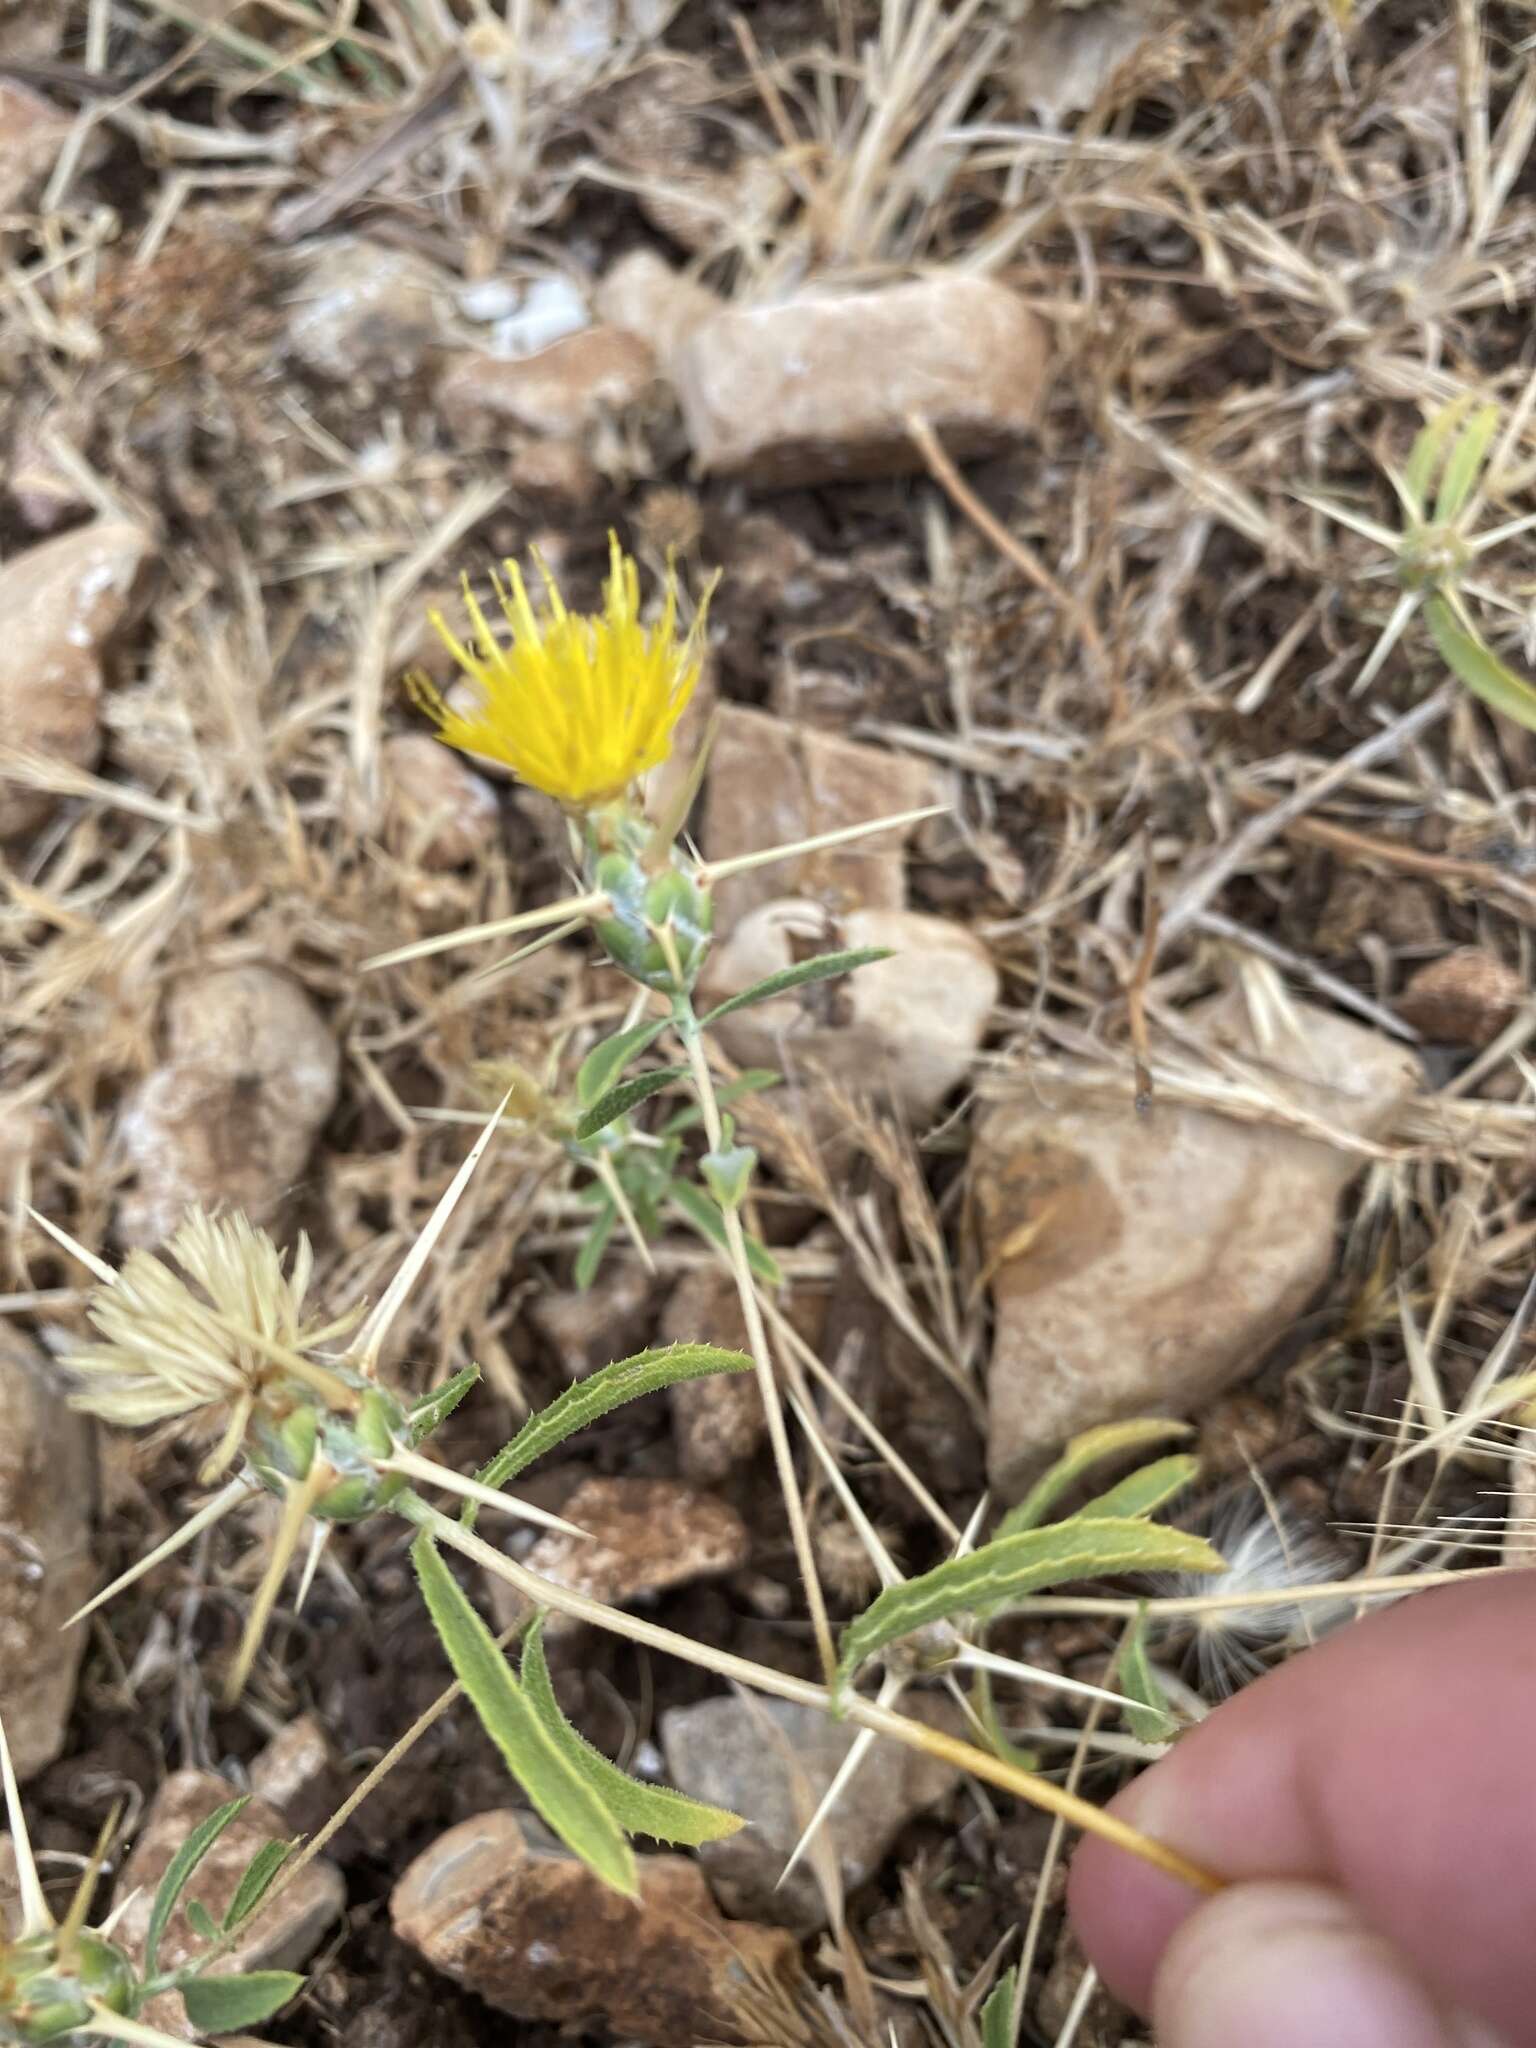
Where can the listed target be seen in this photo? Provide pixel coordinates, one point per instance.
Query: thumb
(1291, 1965)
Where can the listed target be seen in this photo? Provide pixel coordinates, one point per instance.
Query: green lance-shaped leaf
(200, 1920)
(220, 2005)
(653, 1810)
(1143, 1491)
(822, 968)
(1146, 1712)
(1479, 667)
(1464, 464)
(604, 1063)
(1110, 1440)
(997, 2014)
(559, 1791)
(625, 1097)
(593, 1245)
(603, 1391)
(256, 1881)
(179, 1870)
(1010, 1568)
(700, 1210)
(434, 1408)
(1428, 451)
(750, 1081)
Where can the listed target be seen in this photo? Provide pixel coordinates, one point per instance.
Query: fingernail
(1282, 1965)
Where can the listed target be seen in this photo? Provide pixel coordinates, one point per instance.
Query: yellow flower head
(575, 706)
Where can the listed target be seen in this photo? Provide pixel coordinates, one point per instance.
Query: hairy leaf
(435, 1407)
(1143, 1491)
(1081, 1454)
(604, 1063)
(1479, 667)
(822, 968)
(626, 1096)
(218, 2005)
(997, 2013)
(750, 1081)
(200, 1920)
(560, 1793)
(603, 1391)
(1146, 1712)
(256, 1881)
(1010, 1568)
(180, 1868)
(704, 1214)
(653, 1810)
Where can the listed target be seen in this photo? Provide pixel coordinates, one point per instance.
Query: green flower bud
(283, 1447)
(675, 902)
(42, 1999)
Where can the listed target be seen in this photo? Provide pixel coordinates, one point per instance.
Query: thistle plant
(1451, 469)
(579, 707)
(65, 1981)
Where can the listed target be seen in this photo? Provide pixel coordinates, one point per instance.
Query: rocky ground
(1001, 357)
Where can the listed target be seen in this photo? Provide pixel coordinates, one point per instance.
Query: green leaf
(997, 2014)
(653, 1810)
(1464, 464)
(1479, 667)
(727, 1174)
(558, 1791)
(1010, 1568)
(181, 1867)
(1428, 450)
(706, 1219)
(603, 1391)
(434, 1408)
(604, 1063)
(200, 1920)
(256, 1881)
(822, 968)
(1146, 1712)
(1143, 1491)
(619, 1101)
(1110, 1440)
(594, 1244)
(220, 2005)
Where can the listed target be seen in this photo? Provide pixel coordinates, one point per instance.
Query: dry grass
(1267, 240)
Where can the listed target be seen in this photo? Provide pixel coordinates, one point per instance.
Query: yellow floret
(576, 706)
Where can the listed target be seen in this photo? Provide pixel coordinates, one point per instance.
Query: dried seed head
(171, 1342)
(1266, 1555)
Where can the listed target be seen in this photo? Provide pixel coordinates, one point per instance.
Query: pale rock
(772, 784)
(47, 1493)
(283, 1938)
(553, 477)
(1465, 998)
(819, 387)
(771, 1761)
(643, 1537)
(717, 1423)
(450, 815)
(293, 1771)
(231, 1117)
(504, 1910)
(61, 602)
(363, 309)
(908, 1027)
(561, 392)
(591, 1327)
(1142, 1261)
(32, 132)
(1062, 58)
(526, 314)
(644, 295)
(44, 494)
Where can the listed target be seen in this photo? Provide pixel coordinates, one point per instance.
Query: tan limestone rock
(449, 815)
(560, 392)
(1465, 998)
(1141, 1262)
